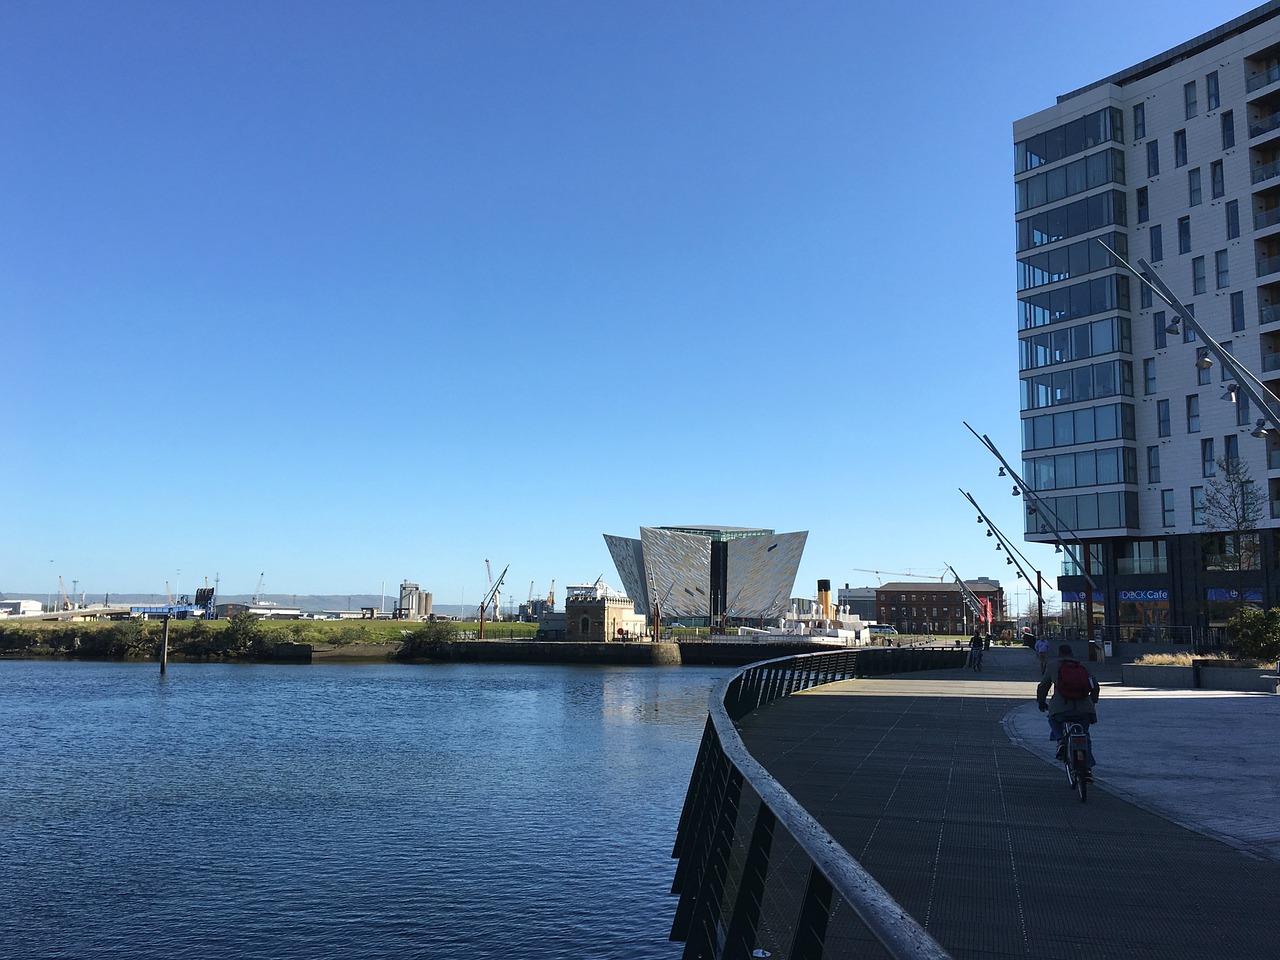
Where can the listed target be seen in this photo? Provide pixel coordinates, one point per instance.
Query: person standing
(976, 645)
(1042, 651)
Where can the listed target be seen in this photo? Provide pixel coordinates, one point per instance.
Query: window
(1193, 413)
(1179, 148)
(1189, 98)
(1217, 179)
(1229, 348)
(1153, 464)
(584, 626)
(1164, 425)
(1139, 121)
(1144, 296)
(1204, 369)
(1193, 186)
(1184, 234)
(1197, 275)
(1231, 452)
(1144, 209)
(1208, 466)
(1158, 324)
(1153, 158)
(1188, 332)
(1166, 508)
(1243, 417)
(1237, 312)
(1211, 99)
(1224, 273)
(1233, 219)
(1157, 242)
(1197, 505)
(1149, 375)
(1228, 130)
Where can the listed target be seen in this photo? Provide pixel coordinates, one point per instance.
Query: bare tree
(1232, 509)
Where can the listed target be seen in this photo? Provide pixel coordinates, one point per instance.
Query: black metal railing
(758, 876)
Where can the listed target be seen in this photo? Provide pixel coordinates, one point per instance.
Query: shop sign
(1221, 593)
(1142, 596)
(1078, 596)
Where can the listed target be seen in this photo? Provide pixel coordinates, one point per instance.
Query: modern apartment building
(1126, 425)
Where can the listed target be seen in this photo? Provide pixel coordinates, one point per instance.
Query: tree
(427, 641)
(1232, 509)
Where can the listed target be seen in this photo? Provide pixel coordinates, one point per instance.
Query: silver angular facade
(709, 572)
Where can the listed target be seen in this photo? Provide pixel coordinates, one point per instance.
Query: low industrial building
(593, 613)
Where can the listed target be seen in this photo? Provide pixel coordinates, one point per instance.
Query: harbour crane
(497, 597)
(551, 598)
(491, 596)
(257, 593)
(880, 574)
(168, 593)
(66, 601)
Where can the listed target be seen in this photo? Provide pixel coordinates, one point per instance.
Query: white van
(882, 630)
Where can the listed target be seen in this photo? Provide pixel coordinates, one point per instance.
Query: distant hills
(308, 603)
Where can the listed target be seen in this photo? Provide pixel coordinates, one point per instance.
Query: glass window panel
(1078, 179)
(1083, 385)
(1109, 510)
(1086, 512)
(1057, 183)
(1065, 470)
(1228, 130)
(1086, 469)
(1085, 430)
(1092, 339)
(1109, 466)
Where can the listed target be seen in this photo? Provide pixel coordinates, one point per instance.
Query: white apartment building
(1175, 160)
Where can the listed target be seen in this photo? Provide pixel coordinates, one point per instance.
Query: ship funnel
(824, 598)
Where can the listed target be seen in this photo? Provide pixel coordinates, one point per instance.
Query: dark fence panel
(757, 875)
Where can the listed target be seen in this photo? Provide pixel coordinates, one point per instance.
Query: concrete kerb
(1203, 759)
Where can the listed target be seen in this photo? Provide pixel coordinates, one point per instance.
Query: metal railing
(1260, 80)
(758, 876)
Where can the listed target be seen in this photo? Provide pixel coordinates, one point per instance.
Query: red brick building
(934, 607)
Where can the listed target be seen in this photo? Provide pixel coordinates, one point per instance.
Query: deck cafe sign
(1142, 596)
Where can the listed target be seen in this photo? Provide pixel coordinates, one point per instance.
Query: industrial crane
(551, 598)
(257, 593)
(66, 601)
(492, 595)
(493, 588)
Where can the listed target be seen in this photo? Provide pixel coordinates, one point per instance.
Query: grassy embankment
(242, 638)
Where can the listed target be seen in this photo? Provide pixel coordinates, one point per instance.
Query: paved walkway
(942, 785)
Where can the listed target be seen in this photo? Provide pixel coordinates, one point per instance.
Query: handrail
(735, 697)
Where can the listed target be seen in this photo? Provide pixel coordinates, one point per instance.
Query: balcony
(1268, 314)
(1267, 218)
(1268, 265)
(1260, 80)
(1264, 124)
(1275, 509)
(1265, 171)
(1273, 459)
(1271, 362)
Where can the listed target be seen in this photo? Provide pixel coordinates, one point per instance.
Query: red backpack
(1074, 681)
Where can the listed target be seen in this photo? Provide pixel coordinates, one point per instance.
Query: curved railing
(758, 876)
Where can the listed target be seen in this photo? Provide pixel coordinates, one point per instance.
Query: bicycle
(1073, 752)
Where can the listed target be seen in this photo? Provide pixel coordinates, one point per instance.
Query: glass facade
(1100, 295)
(1109, 421)
(1085, 468)
(1084, 511)
(1065, 344)
(1077, 136)
(1095, 170)
(1113, 378)
(1072, 261)
(1072, 219)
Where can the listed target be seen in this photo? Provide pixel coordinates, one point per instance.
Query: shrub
(426, 641)
(1255, 633)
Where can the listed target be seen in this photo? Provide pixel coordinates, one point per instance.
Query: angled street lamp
(1015, 557)
(1245, 381)
(1036, 505)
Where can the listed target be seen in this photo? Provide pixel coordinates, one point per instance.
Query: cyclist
(1075, 691)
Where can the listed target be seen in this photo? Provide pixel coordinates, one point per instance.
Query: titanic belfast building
(712, 573)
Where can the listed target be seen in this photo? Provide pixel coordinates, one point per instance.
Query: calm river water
(444, 811)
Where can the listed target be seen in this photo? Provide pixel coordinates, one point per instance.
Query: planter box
(1156, 675)
(1247, 679)
(1243, 679)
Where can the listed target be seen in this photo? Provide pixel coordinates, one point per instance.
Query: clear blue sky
(349, 293)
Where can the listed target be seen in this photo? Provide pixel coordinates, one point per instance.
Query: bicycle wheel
(1081, 776)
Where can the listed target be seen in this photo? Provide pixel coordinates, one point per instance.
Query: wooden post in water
(164, 646)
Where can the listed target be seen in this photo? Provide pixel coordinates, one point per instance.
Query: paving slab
(942, 784)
